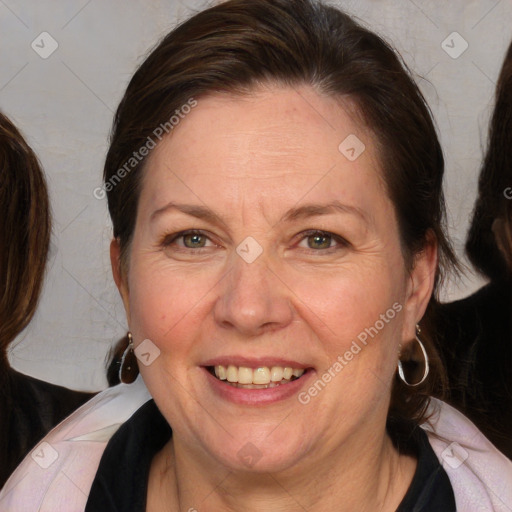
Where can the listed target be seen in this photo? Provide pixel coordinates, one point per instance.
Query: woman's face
(260, 244)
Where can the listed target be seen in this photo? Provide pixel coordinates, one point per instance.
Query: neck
(364, 476)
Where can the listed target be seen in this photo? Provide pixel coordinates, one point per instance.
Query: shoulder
(41, 402)
(49, 391)
(58, 473)
(123, 472)
(480, 475)
(30, 408)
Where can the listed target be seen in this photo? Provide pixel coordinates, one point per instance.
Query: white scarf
(57, 475)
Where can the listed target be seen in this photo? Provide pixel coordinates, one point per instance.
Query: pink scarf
(58, 473)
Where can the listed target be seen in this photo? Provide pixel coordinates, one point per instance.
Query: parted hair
(238, 45)
(24, 232)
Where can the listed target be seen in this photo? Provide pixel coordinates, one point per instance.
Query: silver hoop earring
(128, 369)
(427, 367)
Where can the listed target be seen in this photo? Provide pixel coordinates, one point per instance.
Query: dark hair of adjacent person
(29, 408)
(488, 249)
(24, 233)
(477, 330)
(238, 46)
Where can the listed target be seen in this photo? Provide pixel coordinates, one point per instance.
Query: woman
(274, 181)
(477, 330)
(29, 407)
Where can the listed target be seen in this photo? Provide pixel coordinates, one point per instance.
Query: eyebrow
(314, 210)
(198, 211)
(302, 212)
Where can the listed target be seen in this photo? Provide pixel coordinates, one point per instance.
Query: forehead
(275, 142)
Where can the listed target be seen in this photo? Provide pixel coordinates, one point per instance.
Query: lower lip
(257, 396)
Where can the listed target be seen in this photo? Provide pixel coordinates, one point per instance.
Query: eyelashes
(318, 240)
(198, 241)
(189, 240)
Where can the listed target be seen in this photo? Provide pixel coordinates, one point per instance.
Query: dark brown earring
(129, 369)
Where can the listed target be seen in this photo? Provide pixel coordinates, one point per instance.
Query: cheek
(165, 304)
(347, 302)
(357, 320)
(154, 307)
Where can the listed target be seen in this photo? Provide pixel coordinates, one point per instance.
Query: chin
(266, 456)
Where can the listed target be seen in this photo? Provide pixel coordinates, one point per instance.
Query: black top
(121, 482)
(29, 409)
(476, 343)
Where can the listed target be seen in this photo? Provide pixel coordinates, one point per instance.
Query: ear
(119, 276)
(420, 287)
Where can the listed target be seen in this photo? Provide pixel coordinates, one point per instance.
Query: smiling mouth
(263, 377)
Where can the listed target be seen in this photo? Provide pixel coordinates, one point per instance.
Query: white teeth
(232, 373)
(244, 375)
(220, 372)
(276, 374)
(259, 377)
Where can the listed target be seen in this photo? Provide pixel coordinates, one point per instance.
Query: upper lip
(254, 362)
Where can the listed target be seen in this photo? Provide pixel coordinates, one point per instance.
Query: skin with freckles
(267, 165)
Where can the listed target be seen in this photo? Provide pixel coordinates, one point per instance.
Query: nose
(253, 299)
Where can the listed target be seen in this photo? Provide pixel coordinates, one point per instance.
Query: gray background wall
(64, 104)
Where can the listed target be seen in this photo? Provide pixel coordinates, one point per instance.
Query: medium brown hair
(482, 245)
(24, 233)
(238, 45)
